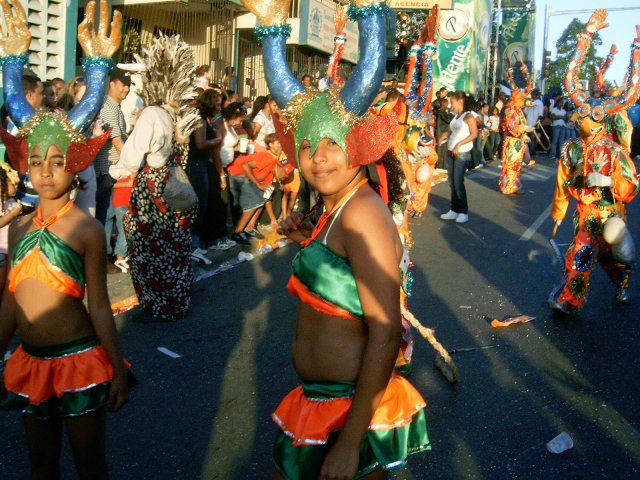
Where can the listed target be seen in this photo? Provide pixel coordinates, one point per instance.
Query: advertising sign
(514, 39)
(317, 30)
(463, 46)
(453, 66)
(419, 4)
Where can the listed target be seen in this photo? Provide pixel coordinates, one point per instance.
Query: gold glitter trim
(294, 110)
(42, 115)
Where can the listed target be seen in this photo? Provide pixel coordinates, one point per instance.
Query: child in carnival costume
(600, 175)
(68, 367)
(515, 125)
(353, 415)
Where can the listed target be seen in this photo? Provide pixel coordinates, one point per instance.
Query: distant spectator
(50, 100)
(58, 86)
(72, 93)
(262, 120)
(201, 145)
(306, 81)
(112, 117)
(203, 74)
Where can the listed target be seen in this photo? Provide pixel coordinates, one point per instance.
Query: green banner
(463, 44)
(482, 39)
(514, 38)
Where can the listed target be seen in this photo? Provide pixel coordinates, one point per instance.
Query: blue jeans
(197, 173)
(114, 215)
(556, 141)
(104, 200)
(457, 166)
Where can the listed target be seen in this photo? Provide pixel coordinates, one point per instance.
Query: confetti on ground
(168, 352)
(125, 305)
(511, 321)
(465, 306)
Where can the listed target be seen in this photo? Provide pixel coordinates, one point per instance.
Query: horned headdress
(338, 114)
(606, 105)
(418, 88)
(42, 128)
(526, 91)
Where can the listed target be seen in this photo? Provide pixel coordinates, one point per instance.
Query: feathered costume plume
(169, 78)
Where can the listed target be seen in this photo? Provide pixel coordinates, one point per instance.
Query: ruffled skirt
(311, 416)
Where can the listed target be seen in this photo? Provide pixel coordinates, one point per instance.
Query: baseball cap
(118, 74)
(283, 162)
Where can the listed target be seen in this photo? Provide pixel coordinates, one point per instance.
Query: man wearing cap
(111, 116)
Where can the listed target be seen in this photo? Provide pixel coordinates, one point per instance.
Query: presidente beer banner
(463, 44)
(515, 37)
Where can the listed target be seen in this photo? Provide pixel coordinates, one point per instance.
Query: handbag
(178, 193)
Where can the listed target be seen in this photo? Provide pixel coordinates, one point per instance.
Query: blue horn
(282, 84)
(19, 109)
(97, 74)
(362, 87)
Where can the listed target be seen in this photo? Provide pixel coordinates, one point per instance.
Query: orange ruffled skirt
(311, 416)
(64, 380)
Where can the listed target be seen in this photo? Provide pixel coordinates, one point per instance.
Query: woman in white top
(232, 116)
(262, 120)
(464, 130)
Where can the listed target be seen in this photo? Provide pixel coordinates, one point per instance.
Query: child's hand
(295, 227)
(118, 393)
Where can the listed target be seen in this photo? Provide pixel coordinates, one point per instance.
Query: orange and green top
(45, 257)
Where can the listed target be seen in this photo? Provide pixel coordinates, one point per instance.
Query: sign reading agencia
(419, 4)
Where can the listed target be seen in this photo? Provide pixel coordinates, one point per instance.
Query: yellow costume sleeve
(561, 195)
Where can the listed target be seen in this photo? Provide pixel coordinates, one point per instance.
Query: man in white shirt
(533, 114)
(558, 115)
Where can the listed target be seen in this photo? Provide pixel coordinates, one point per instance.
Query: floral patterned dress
(159, 242)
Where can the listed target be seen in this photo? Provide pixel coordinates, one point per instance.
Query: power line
(591, 10)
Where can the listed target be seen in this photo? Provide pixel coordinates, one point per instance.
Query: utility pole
(547, 15)
(492, 68)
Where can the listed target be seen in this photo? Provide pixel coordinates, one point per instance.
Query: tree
(566, 46)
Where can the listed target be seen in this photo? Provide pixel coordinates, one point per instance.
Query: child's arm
(8, 322)
(247, 168)
(8, 218)
(100, 313)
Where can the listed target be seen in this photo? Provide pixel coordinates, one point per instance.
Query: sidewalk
(121, 288)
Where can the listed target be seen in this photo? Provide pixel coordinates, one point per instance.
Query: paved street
(206, 415)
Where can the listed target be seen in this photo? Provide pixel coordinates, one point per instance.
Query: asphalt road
(206, 415)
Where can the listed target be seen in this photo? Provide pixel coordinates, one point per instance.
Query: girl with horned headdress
(353, 415)
(600, 175)
(514, 124)
(68, 368)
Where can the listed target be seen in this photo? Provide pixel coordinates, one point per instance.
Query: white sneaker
(122, 264)
(199, 257)
(462, 218)
(450, 215)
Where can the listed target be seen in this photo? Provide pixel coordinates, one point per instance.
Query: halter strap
(324, 218)
(44, 223)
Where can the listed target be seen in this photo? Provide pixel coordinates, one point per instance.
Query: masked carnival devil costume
(599, 174)
(514, 125)
(313, 417)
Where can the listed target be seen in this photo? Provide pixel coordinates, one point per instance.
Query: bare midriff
(47, 317)
(327, 348)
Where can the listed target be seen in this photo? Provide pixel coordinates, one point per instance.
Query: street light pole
(547, 15)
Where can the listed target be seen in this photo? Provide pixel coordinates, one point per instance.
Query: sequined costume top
(43, 256)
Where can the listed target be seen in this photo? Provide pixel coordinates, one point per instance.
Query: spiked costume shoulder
(600, 175)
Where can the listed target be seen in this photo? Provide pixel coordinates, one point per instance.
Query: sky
(621, 30)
